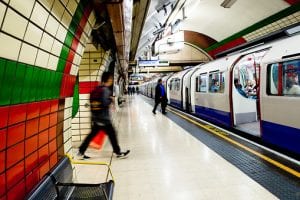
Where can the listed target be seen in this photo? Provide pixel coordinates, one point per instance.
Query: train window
(283, 78)
(203, 81)
(216, 82)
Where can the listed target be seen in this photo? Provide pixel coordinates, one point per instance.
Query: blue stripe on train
(213, 115)
(176, 103)
(280, 135)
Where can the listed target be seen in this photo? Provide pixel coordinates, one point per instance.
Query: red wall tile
(44, 123)
(15, 154)
(52, 132)
(31, 145)
(2, 161)
(43, 153)
(53, 119)
(54, 106)
(15, 134)
(17, 192)
(45, 107)
(44, 168)
(33, 110)
(2, 184)
(3, 133)
(4, 116)
(31, 162)
(15, 174)
(17, 114)
(32, 179)
(32, 127)
(52, 146)
(43, 138)
(53, 159)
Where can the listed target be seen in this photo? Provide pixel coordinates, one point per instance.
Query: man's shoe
(123, 154)
(82, 156)
(153, 112)
(164, 113)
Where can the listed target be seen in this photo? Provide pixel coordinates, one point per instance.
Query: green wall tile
(27, 84)
(19, 84)
(9, 81)
(2, 76)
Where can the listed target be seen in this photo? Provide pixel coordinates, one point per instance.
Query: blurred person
(100, 100)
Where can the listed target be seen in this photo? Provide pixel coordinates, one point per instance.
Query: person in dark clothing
(100, 101)
(160, 97)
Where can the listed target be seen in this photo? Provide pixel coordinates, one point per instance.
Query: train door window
(171, 84)
(177, 84)
(246, 74)
(216, 82)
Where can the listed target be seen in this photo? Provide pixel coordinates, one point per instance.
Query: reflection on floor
(166, 162)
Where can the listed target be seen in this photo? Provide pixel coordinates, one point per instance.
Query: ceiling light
(227, 3)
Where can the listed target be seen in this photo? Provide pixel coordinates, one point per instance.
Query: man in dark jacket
(100, 101)
(160, 97)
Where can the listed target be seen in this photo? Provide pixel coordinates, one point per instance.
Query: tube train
(255, 90)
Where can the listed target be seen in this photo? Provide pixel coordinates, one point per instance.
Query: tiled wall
(92, 65)
(41, 45)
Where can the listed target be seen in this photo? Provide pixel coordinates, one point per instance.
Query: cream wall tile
(84, 96)
(33, 34)
(47, 3)
(61, 33)
(14, 24)
(58, 9)
(24, 7)
(2, 11)
(56, 48)
(47, 42)
(9, 47)
(28, 54)
(6, 1)
(52, 25)
(72, 5)
(84, 78)
(75, 138)
(52, 63)
(92, 18)
(42, 59)
(66, 19)
(64, 2)
(39, 15)
(75, 120)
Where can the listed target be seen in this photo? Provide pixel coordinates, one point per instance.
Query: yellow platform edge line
(266, 158)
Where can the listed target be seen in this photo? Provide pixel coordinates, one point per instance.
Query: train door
(245, 93)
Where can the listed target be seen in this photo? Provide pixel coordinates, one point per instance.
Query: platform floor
(167, 162)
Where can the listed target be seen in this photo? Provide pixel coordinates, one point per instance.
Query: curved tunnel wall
(42, 43)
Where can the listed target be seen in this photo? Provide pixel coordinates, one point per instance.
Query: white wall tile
(56, 48)
(33, 34)
(42, 59)
(47, 3)
(24, 7)
(61, 33)
(52, 63)
(39, 15)
(58, 9)
(28, 54)
(2, 11)
(66, 19)
(72, 5)
(47, 42)
(52, 25)
(14, 24)
(9, 47)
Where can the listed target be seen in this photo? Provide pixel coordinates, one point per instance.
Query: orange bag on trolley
(98, 140)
